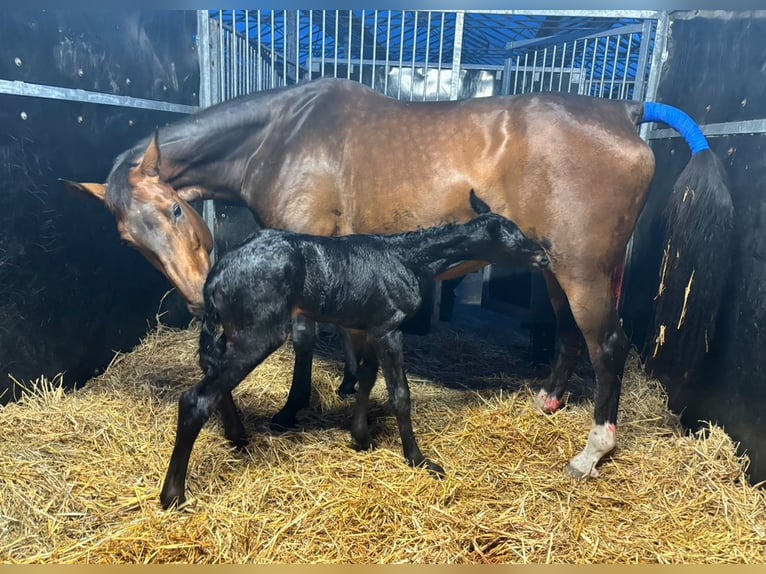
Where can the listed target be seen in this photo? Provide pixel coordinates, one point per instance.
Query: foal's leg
(197, 403)
(304, 337)
(348, 387)
(390, 354)
(367, 372)
(571, 347)
(233, 429)
(594, 309)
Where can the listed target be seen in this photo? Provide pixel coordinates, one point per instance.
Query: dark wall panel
(715, 73)
(70, 292)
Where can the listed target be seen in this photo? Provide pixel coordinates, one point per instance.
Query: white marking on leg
(601, 440)
(547, 403)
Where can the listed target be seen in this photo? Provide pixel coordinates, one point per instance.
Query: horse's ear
(478, 205)
(150, 163)
(97, 190)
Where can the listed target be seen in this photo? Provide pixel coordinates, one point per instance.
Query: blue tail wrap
(679, 121)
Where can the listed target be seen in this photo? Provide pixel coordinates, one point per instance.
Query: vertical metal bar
(607, 41)
(516, 75)
(388, 52)
(414, 55)
(374, 48)
(401, 54)
(542, 69)
(583, 70)
(297, 46)
(234, 54)
(324, 41)
(310, 56)
(335, 41)
(221, 65)
(428, 50)
(206, 98)
(643, 54)
(350, 41)
(534, 69)
(572, 66)
(248, 87)
(441, 59)
(553, 67)
(614, 65)
(626, 69)
(457, 54)
(593, 67)
(284, 47)
(258, 55)
(273, 67)
(361, 47)
(524, 75)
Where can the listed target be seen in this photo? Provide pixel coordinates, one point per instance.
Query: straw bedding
(80, 472)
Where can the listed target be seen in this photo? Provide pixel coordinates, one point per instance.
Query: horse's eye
(177, 212)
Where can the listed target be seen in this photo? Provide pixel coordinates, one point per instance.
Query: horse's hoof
(547, 403)
(239, 442)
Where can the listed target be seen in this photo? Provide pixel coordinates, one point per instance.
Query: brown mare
(332, 157)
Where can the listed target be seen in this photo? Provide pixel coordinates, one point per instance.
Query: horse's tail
(212, 339)
(698, 230)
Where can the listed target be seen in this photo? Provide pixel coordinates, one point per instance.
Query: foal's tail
(698, 230)
(212, 339)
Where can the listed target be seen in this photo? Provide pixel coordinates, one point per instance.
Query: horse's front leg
(351, 365)
(594, 310)
(571, 347)
(304, 337)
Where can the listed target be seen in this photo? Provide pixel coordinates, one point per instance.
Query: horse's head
(159, 222)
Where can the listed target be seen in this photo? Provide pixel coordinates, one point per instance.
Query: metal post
(457, 54)
(208, 95)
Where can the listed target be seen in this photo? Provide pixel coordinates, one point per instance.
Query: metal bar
(248, 86)
(388, 53)
(284, 47)
(524, 75)
(350, 41)
(659, 55)
(324, 41)
(572, 68)
(561, 68)
(361, 47)
(603, 67)
(559, 38)
(414, 56)
(441, 58)
(310, 56)
(428, 50)
(221, 65)
(401, 55)
(17, 88)
(297, 46)
(534, 69)
(626, 70)
(637, 14)
(234, 55)
(614, 65)
(206, 98)
(259, 57)
(516, 75)
(273, 66)
(335, 42)
(745, 127)
(457, 54)
(583, 71)
(643, 58)
(374, 48)
(593, 68)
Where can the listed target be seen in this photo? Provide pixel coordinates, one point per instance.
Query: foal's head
(502, 240)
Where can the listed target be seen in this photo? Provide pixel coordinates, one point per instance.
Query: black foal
(368, 284)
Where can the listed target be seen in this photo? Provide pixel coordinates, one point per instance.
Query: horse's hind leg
(233, 429)
(304, 337)
(390, 353)
(594, 310)
(571, 347)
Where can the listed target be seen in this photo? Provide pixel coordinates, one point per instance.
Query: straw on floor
(80, 472)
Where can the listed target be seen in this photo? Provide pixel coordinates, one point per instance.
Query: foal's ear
(478, 205)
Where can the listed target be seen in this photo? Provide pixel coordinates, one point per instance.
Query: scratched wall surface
(71, 293)
(716, 73)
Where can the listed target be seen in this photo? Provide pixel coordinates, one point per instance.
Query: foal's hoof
(547, 403)
(433, 468)
(346, 390)
(170, 497)
(239, 442)
(283, 422)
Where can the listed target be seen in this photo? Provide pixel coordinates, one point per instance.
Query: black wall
(70, 292)
(715, 72)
